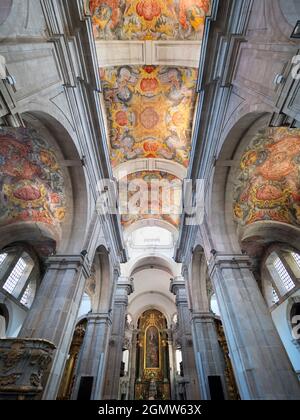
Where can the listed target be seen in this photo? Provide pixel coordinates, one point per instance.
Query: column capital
(126, 283)
(99, 317)
(70, 262)
(177, 284)
(203, 316)
(229, 261)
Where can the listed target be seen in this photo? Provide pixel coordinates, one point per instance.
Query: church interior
(150, 200)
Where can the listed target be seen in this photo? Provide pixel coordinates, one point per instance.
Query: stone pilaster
(209, 358)
(261, 365)
(93, 355)
(123, 290)
(54, 312)
(184, 324)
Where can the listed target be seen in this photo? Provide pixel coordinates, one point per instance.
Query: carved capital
(229, 261)
(24, 365)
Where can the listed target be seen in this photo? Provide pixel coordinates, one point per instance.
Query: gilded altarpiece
(152, 373)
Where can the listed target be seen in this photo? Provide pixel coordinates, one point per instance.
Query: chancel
(149, 200)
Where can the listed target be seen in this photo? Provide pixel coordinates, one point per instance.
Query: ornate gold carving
(229, 374)
(67, 384)
(9, 380)
(152, 370)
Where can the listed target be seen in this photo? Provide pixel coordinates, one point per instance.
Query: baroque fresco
(148, 19)
(163, 192)
(150, 112)
(31, 181)
(268, 187)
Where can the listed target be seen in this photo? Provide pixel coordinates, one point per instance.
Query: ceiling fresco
(148, 19)
(150, 112)
(31, 181)
(160, 192)
(268, 186)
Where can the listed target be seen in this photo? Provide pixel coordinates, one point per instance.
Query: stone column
(123, 290)
(184, 323)
(93, 355)
(53, 314)
(262, 368)
(209, 358)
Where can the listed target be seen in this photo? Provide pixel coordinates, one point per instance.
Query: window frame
(14, 254)
(284, 253)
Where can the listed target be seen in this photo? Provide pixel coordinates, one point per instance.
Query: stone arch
(198, 281)
(66, 142)
(5, 9)
(139, 165)
(159, 306)
(290, 10)
(151, 222)
(223, 228)
(4, 320)
(103, 281)
(158, 261)
(58, 137)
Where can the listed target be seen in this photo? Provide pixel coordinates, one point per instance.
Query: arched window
(283, 267)
(18, 275)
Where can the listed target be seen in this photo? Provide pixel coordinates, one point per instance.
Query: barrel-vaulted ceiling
(148, 53)
(149, 19)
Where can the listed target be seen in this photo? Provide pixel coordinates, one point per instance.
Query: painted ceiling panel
(148, 19)
(158, 197)
(32, 182)
(150, 111)
(268, 186)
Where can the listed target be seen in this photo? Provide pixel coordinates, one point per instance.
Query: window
(282, 276)
(19, 280)
(28, 295)
(296, 258)
(15, 276)
(285, 278)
